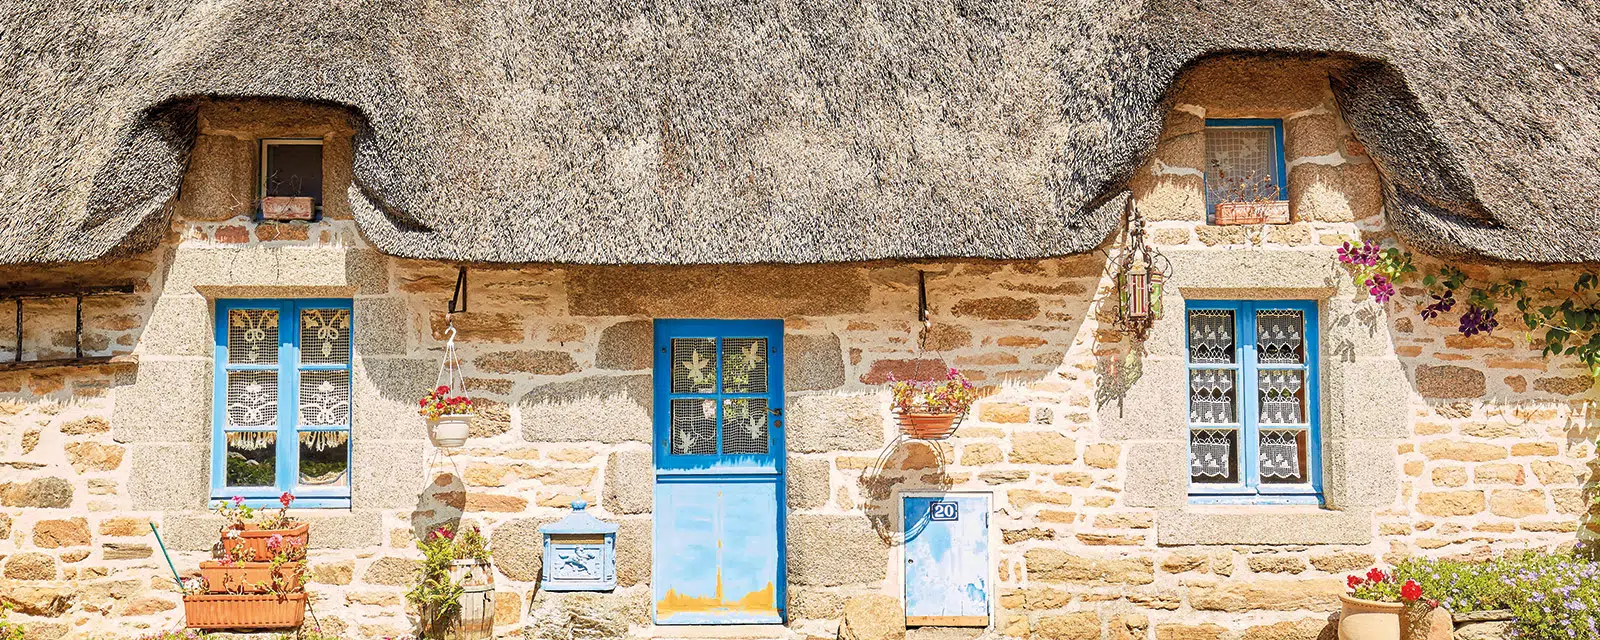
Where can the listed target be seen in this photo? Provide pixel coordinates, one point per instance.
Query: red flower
(1354, 581)
(286, 498)
(443, 389)
(1410, 591)
(1377, 575)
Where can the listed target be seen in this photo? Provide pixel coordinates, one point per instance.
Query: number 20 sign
(943, 511)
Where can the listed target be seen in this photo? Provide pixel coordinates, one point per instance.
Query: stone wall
(1095, 536)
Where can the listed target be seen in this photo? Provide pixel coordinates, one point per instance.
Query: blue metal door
(719, 462)
(947, 560)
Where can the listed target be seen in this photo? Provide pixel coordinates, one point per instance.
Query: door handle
(777, 411)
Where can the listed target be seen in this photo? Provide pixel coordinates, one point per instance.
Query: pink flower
(275, 542)
(238, 500)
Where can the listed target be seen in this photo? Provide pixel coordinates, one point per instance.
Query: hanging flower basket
(923, 425)
(932, 409)
(244, 611)
(449, 417)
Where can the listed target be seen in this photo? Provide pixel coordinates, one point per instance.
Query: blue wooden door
(719, 462)
(947, 560)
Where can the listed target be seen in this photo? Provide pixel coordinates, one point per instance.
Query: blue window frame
(1254, 417)
(282, 403)
(1242, 147)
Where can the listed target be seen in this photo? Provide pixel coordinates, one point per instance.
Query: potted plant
(242, 530)
(932, 409)
(449, 417)
(277, 603)
(244, 575)
(1247, 199)
(1381, 607)
(454, 595)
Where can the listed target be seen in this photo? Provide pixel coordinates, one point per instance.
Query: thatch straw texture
(782, 130)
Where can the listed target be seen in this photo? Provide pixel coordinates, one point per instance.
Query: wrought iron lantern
(1141, 272)
(580, 553)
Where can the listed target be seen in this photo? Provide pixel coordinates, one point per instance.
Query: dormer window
(291, 172)
(1244, 163)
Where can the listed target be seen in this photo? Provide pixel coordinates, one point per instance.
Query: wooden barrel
(476, 620)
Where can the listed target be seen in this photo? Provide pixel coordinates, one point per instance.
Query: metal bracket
(79, 293)
(460, 293)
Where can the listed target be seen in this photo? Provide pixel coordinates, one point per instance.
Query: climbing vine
(1564, 322)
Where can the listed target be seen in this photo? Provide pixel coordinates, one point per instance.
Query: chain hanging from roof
(1140, 273)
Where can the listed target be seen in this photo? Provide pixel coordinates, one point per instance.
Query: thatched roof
(782, 130)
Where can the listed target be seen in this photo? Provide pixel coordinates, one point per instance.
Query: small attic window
(1244, 161)
(292, 168)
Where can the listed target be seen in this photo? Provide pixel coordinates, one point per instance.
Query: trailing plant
(953, 394)
(1552, 596)
(238, 514)
(9, 630)
(1565, 322)
(436, 595)
(187, 634)
(439, 402)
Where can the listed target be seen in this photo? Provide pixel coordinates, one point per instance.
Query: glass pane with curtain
(744, 365)
(744, 425)
(1281, 396)
(324, 459)
(1280, 336)
(252, 458)
(1283, 456)
(694, 427)
(324, 398)
(253, 336)
(694, 365)
(1213, 456)
(325, 336)
(1212, 335)
(1239, 155)
(252, 398)
(1213, 397)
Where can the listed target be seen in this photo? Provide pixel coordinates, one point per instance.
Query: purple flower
(1380, 288)
(1441, 304)
(1478, 320)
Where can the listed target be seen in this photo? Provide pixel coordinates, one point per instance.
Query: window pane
(744, 425)
(325, 336)
(1283, 456)
(744, 365)
(694, 427)
(694, 368)
(252, 336)
(324, 398)
(1280, 336)
(1211, 397)
(252, 398)
(252, 459)
(324, 459)
(1282, 396)
(1211, 336)
(1213, 455)
(1241, 164)
(294, 170)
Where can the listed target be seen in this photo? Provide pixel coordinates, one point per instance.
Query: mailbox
(580, 553)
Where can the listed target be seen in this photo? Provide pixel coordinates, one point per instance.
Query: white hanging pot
(450, 431)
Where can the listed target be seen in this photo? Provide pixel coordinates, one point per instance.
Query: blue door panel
(719, 556)
(947, 560)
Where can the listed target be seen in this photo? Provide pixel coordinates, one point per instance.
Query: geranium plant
(439, 402)
(954, 394)
(1380, 586)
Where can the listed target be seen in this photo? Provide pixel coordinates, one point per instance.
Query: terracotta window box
(229, 611)
(1236, 213)
(281, 208)
(244, 577)
(256, 539)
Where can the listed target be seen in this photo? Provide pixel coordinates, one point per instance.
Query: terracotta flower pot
(1369, 620)
(450, 431)
(927, 426)
(256, 539)
(242, 577)
(287, 208)
(228, 611)
(1269, 212)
